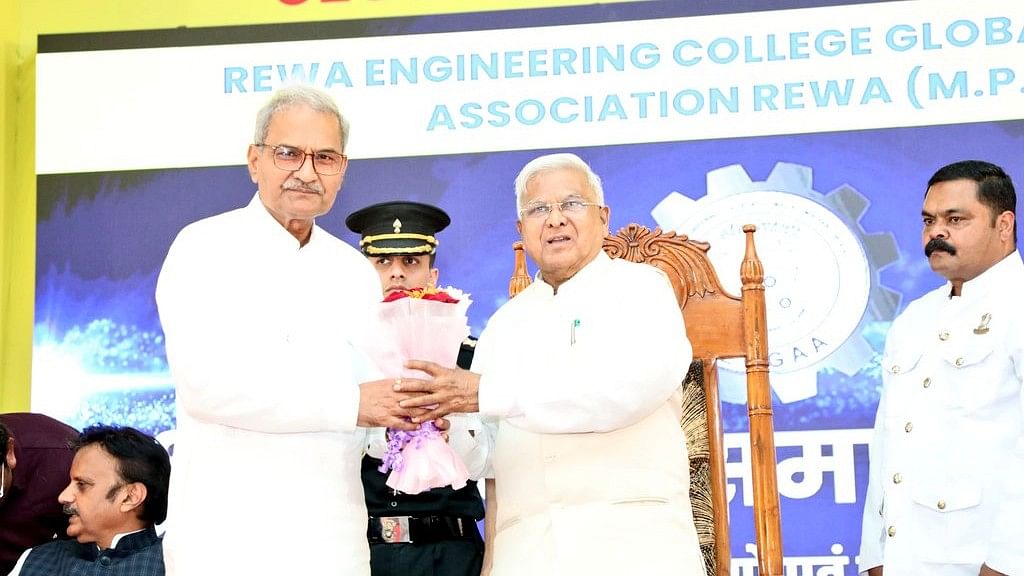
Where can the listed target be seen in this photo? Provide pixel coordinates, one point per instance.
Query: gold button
(941, 505)
(927, 382)
(897, 478)
(959, 362)
(909, 426)
(895, 369)
(891, 531)
(944, 335)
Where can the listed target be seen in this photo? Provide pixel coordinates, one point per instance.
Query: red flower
(396, 295)
(423, 294)
(440, 296)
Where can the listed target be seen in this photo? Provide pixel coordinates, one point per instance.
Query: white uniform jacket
(590, 465)
(946, 488)
(263, 343)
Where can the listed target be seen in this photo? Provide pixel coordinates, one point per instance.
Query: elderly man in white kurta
(946, 489)
(263, 312)
(590, 464)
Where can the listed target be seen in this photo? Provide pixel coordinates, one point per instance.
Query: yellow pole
(17, 230)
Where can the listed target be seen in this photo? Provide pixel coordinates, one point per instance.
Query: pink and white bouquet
(421, 324)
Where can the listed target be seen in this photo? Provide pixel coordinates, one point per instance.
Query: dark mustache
(69, 510)
(938, 244)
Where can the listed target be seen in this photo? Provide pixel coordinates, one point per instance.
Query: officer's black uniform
(441, 523)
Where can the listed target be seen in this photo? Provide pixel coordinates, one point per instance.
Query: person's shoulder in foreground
(35, 455)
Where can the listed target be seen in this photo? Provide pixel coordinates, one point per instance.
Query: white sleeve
(21, 562)
(490, 431)
(231, 368)
(1005, 552)
(605, 378)
(376, 442)
(471, 440)
(872, 538)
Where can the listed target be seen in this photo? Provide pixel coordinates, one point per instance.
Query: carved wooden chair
(719, 326)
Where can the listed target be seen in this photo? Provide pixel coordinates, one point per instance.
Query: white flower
(463, 297)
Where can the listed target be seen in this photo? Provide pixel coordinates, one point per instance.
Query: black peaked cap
(398, 227)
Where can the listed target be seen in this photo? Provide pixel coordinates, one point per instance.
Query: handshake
(405, 403)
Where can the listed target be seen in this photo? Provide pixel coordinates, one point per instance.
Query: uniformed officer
(433, 533)
(945, 496)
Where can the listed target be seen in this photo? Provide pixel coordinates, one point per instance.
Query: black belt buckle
(394, 529)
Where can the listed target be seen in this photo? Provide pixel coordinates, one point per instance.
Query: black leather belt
(420, 530)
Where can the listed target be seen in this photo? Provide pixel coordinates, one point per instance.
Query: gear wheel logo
(821, 269)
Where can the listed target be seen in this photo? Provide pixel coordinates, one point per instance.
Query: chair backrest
(718, 326)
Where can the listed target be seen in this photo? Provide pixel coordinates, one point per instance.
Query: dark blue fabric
(138, 554)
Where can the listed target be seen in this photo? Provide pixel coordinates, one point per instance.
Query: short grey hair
(557, 162)
(298, 95)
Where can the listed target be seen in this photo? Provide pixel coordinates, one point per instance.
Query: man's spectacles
(291, 159)
(542, 211)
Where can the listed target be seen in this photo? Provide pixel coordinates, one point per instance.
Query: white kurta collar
(117, 538)
(1004, 271)
(578, 280)
(275, 233)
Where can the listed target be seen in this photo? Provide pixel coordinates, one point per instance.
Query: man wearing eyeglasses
(590, 465)
(264, 313)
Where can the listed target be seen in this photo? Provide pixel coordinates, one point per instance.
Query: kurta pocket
(972, 384)
(948, 523)
(901, 362)
(901, 370)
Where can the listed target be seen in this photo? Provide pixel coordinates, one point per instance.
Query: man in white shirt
(590, 464)
(264, 313)
(945, 495)
(117, 494)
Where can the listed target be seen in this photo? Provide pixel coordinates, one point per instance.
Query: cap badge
(398, 226)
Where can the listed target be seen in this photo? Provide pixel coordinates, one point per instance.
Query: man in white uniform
(946, 495)
(263, 313)
(590, 465)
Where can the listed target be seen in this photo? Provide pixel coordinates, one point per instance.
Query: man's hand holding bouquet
(422, 324)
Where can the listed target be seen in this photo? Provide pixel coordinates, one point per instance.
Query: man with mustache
(400, 240)
(264, 314)
(35, 455)
(945, 495)
(117, 494)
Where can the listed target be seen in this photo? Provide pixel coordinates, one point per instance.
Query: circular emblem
(820, 269)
